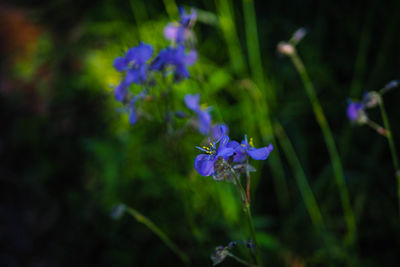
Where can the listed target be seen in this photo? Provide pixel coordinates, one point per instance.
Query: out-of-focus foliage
(69, 155)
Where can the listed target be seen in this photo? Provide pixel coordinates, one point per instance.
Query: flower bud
(371, 99)
(285, 48)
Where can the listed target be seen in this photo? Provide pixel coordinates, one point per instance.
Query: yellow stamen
(212, 145)
(203, 106)
(251, 142)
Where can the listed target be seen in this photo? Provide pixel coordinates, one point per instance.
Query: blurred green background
(69, 155)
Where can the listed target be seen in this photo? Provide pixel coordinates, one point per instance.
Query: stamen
(251, 142)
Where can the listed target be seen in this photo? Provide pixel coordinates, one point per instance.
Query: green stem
(241, 261)
(265, 127)
(154, 228)
(249, 217)
(331, 146)
(392, 147)
(301, 179)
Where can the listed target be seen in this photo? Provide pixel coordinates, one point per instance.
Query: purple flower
(247, 149)
(356, 112)
(203, 115)
(204, 163)
(176, 58)
(135, 68)
(180, 32)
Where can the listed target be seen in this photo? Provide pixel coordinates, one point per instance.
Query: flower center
(210, 150)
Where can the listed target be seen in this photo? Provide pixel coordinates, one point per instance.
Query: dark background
(68, 155)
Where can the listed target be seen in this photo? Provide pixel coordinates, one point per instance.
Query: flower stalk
(329, 140)
(392, 147)
(242, 191)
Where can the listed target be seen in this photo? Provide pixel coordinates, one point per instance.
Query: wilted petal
(260, 153)
(192, 101)
(204, 164)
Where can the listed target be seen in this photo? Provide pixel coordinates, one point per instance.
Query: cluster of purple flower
(228, 154)
(356, 110)
(174, 59)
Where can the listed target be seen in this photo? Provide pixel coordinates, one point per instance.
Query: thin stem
(330, 143)
(379, 129)
(154, 228)
(241, 261)
(301, 179)
(392, 147)
(249, 217)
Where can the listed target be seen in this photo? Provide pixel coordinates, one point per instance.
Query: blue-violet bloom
(247, 149)
(203, 115)
(356, 112)
(180, 32)
(177, 58)
(204, 163)
(135, 67)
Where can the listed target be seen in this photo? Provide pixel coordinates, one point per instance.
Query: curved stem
(155, 229)
(241, 261)
(248, 212)
(331, 146)
(392, 148)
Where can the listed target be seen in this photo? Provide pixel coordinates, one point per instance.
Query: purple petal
(219, 131)
(204, 164)
(120, 64)
(132, 76)
(224, 151)
(181, 70)
(260, 153)
(120, 92)
(353, 110)
(132, 116)
(233, 144)
(190, 58)
(141, 53)
(180, 35)
(192, 101)
(171, 31)
(204, 121)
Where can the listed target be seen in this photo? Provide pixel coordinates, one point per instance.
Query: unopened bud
(390, 85)
(371, 99)
(117, 211)
(298, 35)
(285, 48)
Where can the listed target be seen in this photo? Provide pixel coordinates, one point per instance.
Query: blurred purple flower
(177, 58)
(247, 149)
(180, 32)
(356, 111)
(203, 115)
(135, 68)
